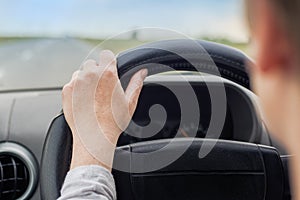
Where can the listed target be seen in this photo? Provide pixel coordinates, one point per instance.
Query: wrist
(82, 157)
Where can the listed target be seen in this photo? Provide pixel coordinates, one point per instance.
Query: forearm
(88, 177)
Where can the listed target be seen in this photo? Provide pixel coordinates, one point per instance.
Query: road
(41, 63)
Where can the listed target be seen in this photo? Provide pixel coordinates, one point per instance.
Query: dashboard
(160, 109)
(26, 116)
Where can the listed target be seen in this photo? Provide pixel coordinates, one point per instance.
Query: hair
(288, 12)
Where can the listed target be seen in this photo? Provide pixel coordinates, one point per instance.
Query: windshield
(43, 42)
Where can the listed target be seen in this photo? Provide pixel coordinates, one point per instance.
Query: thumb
(134, 88)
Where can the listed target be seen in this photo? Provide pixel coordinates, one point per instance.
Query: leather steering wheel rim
(57, 150)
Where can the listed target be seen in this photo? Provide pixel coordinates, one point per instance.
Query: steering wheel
(235, 170)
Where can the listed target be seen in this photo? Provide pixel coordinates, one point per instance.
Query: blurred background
(96, 20)
(43, 42)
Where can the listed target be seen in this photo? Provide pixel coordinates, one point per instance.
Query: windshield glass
(43, 42)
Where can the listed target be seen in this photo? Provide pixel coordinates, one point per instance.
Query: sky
(104, 18)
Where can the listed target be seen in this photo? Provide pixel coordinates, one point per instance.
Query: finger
(67, 95)
(89, 65)
(67, 104)
(134, 88)
(108, 61)
(67, 99)
(75, 75)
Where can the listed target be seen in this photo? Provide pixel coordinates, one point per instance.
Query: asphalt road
(41, 63)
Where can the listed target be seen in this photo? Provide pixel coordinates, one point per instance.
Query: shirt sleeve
(88, 182)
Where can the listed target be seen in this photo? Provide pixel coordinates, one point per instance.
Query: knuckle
(113, 61)
(90, 75)
(80, 80)
(109, 74)
(89, 62)
(75, 74)
(67, 89)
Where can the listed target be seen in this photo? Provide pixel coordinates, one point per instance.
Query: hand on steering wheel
(209, 57)
(94, 102)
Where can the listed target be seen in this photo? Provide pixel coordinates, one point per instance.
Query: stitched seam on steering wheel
(226, 60)
(211, 55)
(224, 71)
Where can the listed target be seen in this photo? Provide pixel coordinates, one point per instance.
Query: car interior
(198, 131)
(244, 162)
